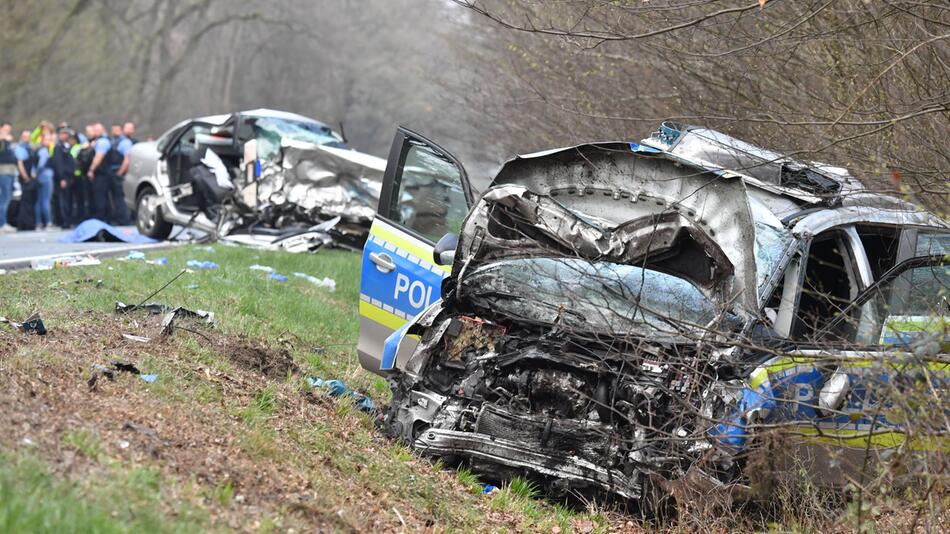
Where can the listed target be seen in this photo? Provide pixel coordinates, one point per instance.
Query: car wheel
(148, 215)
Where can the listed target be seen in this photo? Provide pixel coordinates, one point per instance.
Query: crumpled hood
(620, 203)
(326, 180)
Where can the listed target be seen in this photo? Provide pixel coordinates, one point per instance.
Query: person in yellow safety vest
(38, 133)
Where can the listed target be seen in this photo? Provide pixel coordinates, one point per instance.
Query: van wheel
(148, 215)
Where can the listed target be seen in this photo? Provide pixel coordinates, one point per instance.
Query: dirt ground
(197, 424)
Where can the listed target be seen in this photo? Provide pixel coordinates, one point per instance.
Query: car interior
(185, 166)
(881, 244)
(829, 285)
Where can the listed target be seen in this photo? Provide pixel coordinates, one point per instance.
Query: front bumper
(484, 447)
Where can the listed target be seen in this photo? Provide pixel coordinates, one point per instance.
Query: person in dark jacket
(26, 159)
(8, 173)
(82, 187)
(64, 170)
(100, 173)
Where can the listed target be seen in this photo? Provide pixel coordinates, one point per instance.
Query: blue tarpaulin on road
(96, 230)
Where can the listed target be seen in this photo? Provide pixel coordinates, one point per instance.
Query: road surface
(18, 249)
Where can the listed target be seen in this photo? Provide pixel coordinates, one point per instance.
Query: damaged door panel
(425, 197)
(619, 317)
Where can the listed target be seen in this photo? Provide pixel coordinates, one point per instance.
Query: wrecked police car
(617, 317)
(262, 177)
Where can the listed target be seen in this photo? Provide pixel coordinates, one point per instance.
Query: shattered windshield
(270, 132)
(590, 296)
(771, 239)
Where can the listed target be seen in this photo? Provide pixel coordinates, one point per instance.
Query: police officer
(118, 161)
(82, 186)
(128, 130)
(100, 174)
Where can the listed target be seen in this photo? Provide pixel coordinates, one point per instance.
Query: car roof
(796, 208)
(218, 120)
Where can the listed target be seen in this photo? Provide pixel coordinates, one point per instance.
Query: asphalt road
(17, 250)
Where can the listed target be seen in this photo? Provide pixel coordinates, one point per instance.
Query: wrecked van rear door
(425, 196)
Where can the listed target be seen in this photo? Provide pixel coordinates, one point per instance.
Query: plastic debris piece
(489, 489)
(326, 282)
(277, 276)
(209, 249)
(45, 264)
(123, 444)
(110, 372)
(337, 388)
(140, 339)
(191, 286)
(100, 370)
(168, 322)
(32, 325)
(125, 367)
(265, 268)
(197, 264)
(158, 261)
(150, 378)
(135, 255)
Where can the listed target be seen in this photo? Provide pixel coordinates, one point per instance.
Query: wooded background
(858, 83)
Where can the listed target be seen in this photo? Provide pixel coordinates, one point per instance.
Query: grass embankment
(230, 436)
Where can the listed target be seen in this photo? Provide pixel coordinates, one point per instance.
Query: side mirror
(444, 252)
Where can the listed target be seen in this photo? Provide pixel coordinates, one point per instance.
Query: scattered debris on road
(310, 239)
(45, 264)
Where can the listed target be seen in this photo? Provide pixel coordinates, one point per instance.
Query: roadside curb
(25, 263)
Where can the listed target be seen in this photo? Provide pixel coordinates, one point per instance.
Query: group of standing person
(64, 176)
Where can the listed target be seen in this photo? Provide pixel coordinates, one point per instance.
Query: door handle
(384, 262)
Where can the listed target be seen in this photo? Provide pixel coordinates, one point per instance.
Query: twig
(159, 290)
(401, 520)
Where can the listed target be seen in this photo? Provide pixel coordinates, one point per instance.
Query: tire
(148, 216)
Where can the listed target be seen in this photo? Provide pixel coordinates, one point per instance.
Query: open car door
(425, 196)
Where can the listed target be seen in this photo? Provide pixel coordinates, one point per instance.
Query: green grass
(245, 302)
(113, 501)
(338, 448)
(84, 441)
